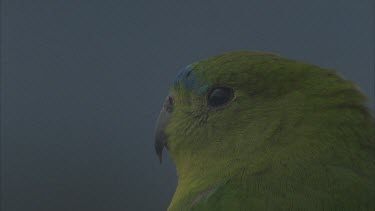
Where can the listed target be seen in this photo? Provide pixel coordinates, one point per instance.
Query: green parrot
(255, 131)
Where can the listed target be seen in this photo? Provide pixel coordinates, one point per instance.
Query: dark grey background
(83, 81)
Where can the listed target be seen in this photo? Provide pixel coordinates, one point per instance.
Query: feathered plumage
(293, 136)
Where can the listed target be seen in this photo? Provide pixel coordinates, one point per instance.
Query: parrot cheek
(161, 124)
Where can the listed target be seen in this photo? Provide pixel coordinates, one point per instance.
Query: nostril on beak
(170, 99)
(168, 104)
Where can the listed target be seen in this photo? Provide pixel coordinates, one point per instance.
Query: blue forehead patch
(187, 78)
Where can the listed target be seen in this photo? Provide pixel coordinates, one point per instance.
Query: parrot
(255, 131)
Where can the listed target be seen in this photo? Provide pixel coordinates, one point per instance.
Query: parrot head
(253, 113)
(250, 111)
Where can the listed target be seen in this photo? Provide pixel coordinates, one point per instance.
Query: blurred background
(82, 83)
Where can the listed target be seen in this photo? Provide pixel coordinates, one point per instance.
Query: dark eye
(219, 96)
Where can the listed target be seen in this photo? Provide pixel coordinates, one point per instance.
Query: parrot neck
(198, 181)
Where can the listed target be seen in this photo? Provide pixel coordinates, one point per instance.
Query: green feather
(294, 137)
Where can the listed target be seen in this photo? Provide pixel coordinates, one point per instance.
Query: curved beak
(161, 124)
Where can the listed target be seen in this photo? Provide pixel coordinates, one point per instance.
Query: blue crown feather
(187, 78)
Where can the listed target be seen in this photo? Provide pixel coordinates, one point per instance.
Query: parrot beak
(161, 124)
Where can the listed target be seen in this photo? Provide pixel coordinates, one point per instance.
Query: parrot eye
(219, 96)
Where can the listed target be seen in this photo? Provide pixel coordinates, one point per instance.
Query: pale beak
(161, 124)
